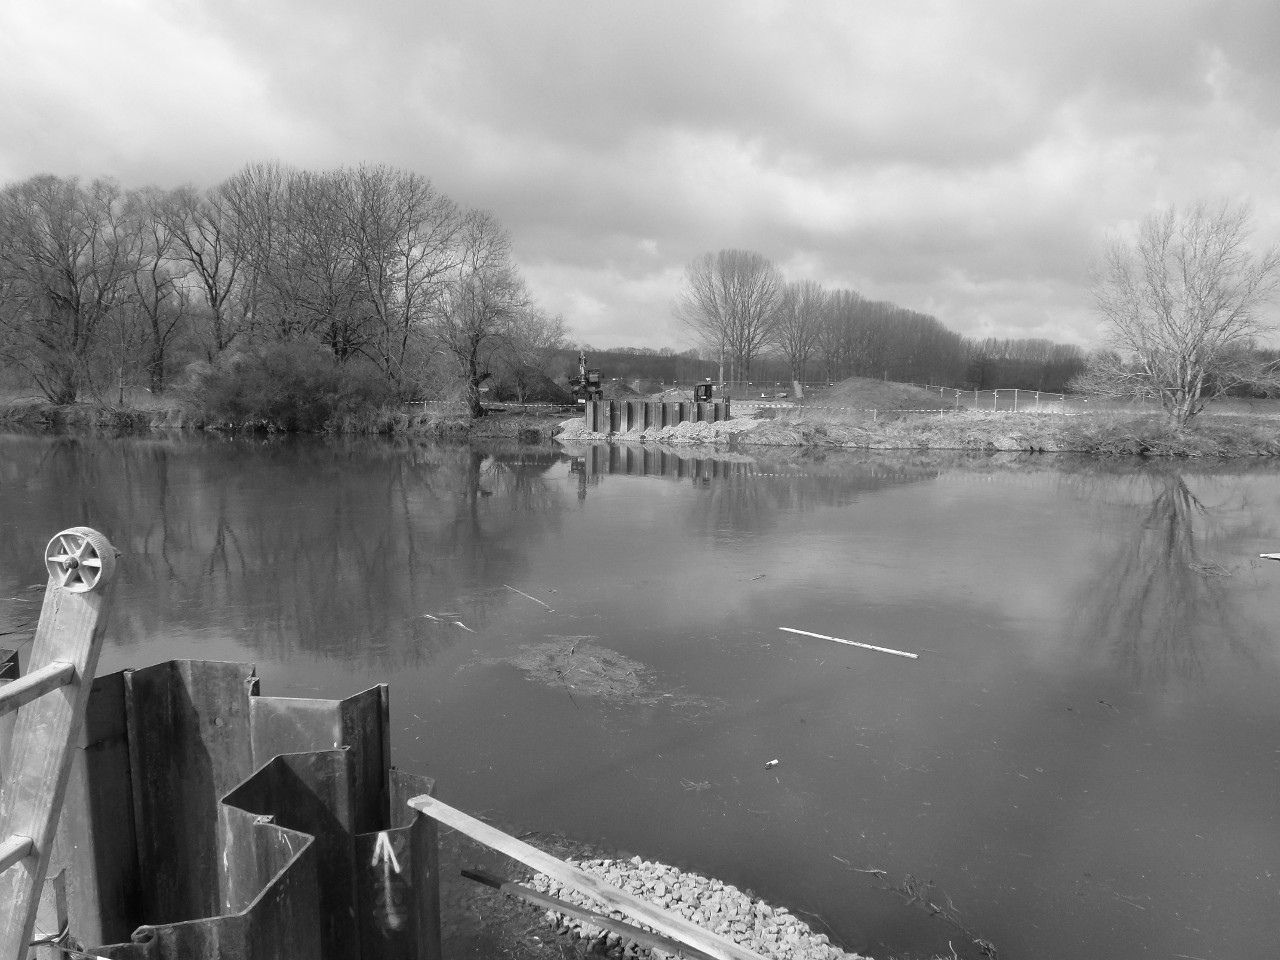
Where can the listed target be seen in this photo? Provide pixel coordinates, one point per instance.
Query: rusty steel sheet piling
(624, 416)
(206, 821)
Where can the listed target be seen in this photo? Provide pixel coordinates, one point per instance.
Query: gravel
(687, 432)
(719, 907)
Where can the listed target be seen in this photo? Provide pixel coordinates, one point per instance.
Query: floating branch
(523, 594)
(852, 643)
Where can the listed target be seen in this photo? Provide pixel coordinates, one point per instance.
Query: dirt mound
(863, 393)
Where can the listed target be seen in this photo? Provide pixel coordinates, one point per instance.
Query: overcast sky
(963, 159)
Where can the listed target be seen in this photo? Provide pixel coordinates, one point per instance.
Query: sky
(964, 159)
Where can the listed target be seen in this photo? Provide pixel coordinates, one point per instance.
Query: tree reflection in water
(328, 548)
(1158, 608)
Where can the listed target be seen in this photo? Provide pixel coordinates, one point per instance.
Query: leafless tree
(482, 296)
(66, 254)
(1182, 308)
(251, 213)
(205, 241)
(730, 300)
(533, 338)
(404, 241)
(801, 314)
(157, 287)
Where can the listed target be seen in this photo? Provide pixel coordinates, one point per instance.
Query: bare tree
(157, 285)
(204, 239)
(66, 254)
(533, 338)
(482, 295)
(1182, 309)
(404, 242)
(730, 300)
(801, 313)
(250, 207)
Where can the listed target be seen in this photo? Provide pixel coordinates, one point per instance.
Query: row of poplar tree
(373, 266)
(744, 311)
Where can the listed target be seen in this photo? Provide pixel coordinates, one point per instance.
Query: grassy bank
(1120, 433)
(1107, 434)
(141, 415)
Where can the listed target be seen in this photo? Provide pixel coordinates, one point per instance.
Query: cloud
(960, 159)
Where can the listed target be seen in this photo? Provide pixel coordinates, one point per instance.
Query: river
(1082, 762)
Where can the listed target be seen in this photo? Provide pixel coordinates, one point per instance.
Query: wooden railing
(50, 704)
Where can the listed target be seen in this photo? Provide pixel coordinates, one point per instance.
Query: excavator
(586, 385)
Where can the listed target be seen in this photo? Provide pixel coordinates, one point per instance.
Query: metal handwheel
(80, 559)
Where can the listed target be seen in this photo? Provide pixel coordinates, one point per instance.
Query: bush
(537, 389)
(291, 387)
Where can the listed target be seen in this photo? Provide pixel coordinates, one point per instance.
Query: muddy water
(1082, 762)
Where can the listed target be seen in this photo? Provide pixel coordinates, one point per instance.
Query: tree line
(745, 313)
(371, 268)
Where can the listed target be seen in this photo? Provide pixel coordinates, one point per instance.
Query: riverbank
(1122, 433)
(481, 922)
(1108, 434)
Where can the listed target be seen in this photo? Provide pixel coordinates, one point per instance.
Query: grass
(1106, 434)
(865, 414)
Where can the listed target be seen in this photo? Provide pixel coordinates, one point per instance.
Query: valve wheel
(80, 560)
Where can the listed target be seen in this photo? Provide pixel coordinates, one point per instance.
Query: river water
(1082, 762)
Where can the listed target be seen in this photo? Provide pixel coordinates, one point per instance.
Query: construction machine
(586, 385)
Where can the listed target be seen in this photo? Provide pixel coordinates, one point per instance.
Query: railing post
(67, 642)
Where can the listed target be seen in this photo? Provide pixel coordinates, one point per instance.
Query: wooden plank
(13, 849)
(612, 897)
(650, 941)
(8, 671)
(36, 684)
(69, 630)
(852, 643)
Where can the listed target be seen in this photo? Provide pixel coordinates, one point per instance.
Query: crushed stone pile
(719, 907)
(687, 432)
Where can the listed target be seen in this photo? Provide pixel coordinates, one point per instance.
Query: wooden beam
(642, 937)
(36, 684)
(12, 850)
(69, 632)
(612, 897)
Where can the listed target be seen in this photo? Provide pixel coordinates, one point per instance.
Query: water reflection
(318, 547)
(992, 767)
(749, 494)
(1158, 608)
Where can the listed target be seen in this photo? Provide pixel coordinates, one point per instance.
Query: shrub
(291, 387)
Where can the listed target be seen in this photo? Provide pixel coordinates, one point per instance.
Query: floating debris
(852, 643)
(589, 670)
(523, 594)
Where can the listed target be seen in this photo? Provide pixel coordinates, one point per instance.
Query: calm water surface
(1083, 761)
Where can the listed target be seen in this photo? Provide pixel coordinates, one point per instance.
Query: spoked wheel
(80, 559)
